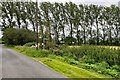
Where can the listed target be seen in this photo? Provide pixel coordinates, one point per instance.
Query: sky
(96, 2)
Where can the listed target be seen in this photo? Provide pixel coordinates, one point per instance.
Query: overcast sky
(97, 2)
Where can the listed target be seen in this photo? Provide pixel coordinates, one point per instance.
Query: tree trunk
(49, 33)
(56, 34)
(110, 36)
(63, 33)
(97, 33)
(84, 37)
(33, 26)
(71, 31)
(78, 42)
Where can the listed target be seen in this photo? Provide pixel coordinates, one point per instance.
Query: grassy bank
(93, 67)
(69, 70)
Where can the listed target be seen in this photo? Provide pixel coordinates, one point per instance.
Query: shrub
(103, 64)
(29, 44)
(113, 73)
(60, 58)
(69, 40)
(87, 60)
(32, 52)
(100, 59)
(13, 36)
(70, 60)
(116, 67)
(52, 56)
(92, 54)
(49, 45)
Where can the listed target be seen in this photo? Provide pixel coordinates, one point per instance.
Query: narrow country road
(17, 65)
(0, 61)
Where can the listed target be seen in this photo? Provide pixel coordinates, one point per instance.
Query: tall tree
(69, 8)
(18, 13)
(63, 20)
(31, 11)
(109, 24)
(47, 19)
(55, 20)
(24, 15)
(76, 23)
(96, 17)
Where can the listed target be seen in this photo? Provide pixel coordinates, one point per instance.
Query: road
(17, 65)
(0, 62)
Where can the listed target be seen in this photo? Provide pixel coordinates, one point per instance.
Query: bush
(116, 67)
(1, 41)
(13, 36)
(29, 44)
(69, 40)
(87, 57)
(87, 60)
(49, 45)
(101, 68)
(93, 54)
(32, 52)
(113, 73)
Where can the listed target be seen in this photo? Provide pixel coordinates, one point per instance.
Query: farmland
(85, 38)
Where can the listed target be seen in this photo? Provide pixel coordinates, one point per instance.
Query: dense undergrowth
(100, 59)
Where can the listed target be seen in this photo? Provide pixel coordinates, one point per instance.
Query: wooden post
(36, 24)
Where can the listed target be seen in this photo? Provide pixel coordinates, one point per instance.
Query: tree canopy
(89, 24)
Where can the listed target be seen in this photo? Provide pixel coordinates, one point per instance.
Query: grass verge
(59, 66)
(69, 70)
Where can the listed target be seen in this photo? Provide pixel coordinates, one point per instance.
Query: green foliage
(87, 60)
(1, 41)
(29, 44)
(32, 52)
(93, 54)
(70, 70)
(101, 68)
(84, 22)
(116, 67)
(97, 58)
(103, 64)
(70, 40)
(92, 41)
(13, 36)
(113, 73)
(101, 59)
(52, 56)
(70, 60)
(49, 45)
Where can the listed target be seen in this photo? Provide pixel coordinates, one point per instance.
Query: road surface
(17, 65)
(0, 62)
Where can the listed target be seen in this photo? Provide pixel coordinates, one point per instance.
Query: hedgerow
(98, 58)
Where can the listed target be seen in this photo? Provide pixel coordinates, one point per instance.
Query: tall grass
(93, 53)
(101, 59)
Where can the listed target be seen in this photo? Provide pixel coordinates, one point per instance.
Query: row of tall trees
(88, 24)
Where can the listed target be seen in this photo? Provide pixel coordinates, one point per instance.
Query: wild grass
(69, 70)
(100, 59)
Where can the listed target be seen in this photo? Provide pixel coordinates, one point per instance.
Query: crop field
(52, 30)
